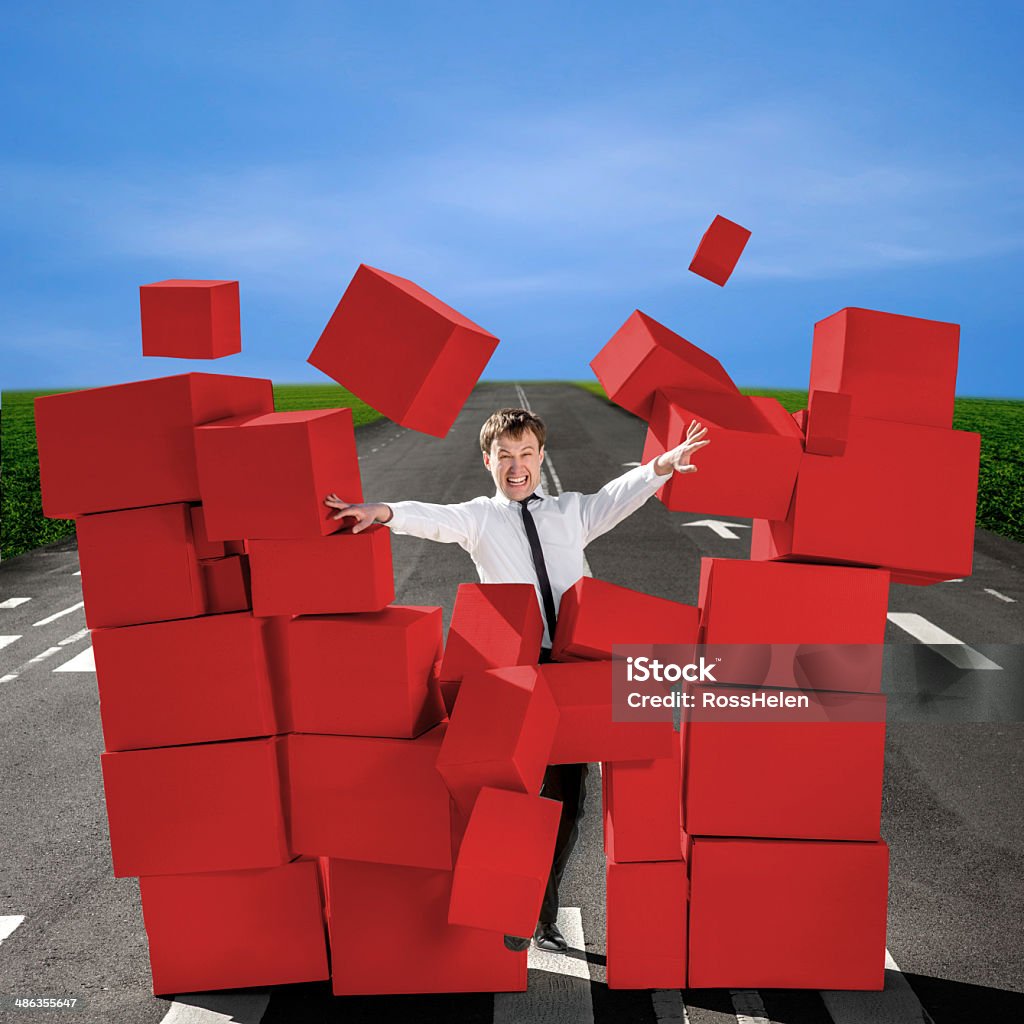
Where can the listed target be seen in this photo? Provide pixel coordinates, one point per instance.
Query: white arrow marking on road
(13, 602)
(8, 923)
(5, 640)
(218, 1008)
(721, 527)
(1002, 597)
(81, 662)
(954, 651)
(58, 615)
(895, 1004)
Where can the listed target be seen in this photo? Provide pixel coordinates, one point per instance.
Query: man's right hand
(364, 515)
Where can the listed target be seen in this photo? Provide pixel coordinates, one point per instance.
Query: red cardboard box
(187, 681)
(235, 929)
(403, 351)
(226, 583)
(826, 903)
(185, 810)
(205, 548)
(719, 250)
(828, 422)
(370, 674)
(130, 445)
(190, 319)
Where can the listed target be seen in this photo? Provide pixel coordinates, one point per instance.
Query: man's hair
(512, 422)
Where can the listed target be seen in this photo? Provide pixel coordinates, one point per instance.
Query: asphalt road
(952, 808)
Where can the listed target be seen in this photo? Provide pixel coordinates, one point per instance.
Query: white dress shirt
(491, 529)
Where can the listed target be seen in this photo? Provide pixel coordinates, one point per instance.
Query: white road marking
(895, 1004)
(551, 995)
(954, 651)
(75, 637)
(1002, 597)
(721, 527)
(48, 653)
(77, 572)
(13, 602)
(58, 615)
(81, 662)
(632, 463)
(5, 640)
(748, 1006)
(218, 1008)
(669, 1007)
(8, 923)
(960, 580)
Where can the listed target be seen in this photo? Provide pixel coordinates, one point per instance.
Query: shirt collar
(500, 499)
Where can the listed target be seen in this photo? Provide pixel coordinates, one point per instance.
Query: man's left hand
(679, 458)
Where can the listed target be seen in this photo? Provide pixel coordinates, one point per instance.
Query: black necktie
(538, 563)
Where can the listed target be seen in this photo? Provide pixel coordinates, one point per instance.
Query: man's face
(515, 464)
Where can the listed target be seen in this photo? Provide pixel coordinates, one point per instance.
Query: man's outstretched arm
(448, 524)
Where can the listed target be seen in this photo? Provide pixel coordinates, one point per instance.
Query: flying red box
(359, 798)
(370, 674)
(894, 367)
(494, 625)
(594, 615)
(185, 810)
(500, 733)
(773, 412)
(267, 476)
(212, 931)
(586, 730)
(826, 903)
(901, 497)
(504, 861)
(719, 250)
(753, 468)
(190, 319)
(345, 572)
(139, 565)
(130, 445)
(828, 422)
(404, 910)
(643, 357)
(648, 899)
(187, 681)
(403, 351)
(226, 584)
(205, 548)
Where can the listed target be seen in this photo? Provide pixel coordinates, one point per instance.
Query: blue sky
(545, 168)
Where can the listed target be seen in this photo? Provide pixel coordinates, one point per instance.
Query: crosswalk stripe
(5, 640)
(8, 923)
(218, 1008)
(81, 662)
(58, 615)
(748, 1006)
(954, 651)
(897, 1003)
(669, 1007)
(13, 602)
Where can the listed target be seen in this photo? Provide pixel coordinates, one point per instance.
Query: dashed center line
(13, 602)
(1002, 597)
(953, 650)
(60, 614)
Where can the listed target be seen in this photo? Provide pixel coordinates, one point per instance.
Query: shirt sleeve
(448, 524)
(618, 499)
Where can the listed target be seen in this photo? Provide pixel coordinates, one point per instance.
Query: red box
(267, 476)
(403, 911)
(594, 615)
(774, 414)
(750, 469)
(826, 904)
(586, 731)
(205, 548)
(184, 810)
(643, 357)
(138, 566)
(369, 799)
(500, 733)
(494, 625)
(365, 675)
(235, 929)
(647, 899)
(719, 250)
(345, 572)
(504, 862)
(131, 445)
(403, 351)
(894, 367)
(190, 319)
(227, 584)
(187, 681)
(828, 422)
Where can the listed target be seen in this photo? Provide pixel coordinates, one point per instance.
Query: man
(523, 535)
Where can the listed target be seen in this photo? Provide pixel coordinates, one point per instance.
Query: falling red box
(646, 899)
(235, 929)
(828, 422)
(594, 615)
(227, 584)
(403, 351)
(267, 476)
(774, 413)
(139, 565)
(188, 681)
(131, 445)
(190, 319)
(184, 810)
(642, 808)
(894, 367)
(504, 861)
(404, 911)
(749, 469)
(364, 798)
(826, 903)
(205, 548)
(719, 250)
(369, 674)
(494, 625)
(902, 497)
(345, 572)
(500, 733)
(586, 730)
(643, 357)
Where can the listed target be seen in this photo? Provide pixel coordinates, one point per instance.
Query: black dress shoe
(516, 944)
(550, 938)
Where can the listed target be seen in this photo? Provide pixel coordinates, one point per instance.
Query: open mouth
(517, 481)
